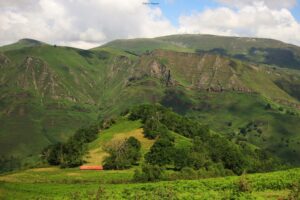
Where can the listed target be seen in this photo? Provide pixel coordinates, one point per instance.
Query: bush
(295, 191)
(243, 184)
(188, 173)
(149, 173)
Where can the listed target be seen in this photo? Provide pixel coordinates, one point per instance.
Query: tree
(122, 153)
(153, 128)
(161, 153)
(134, 150)
(228, 153)
(70, 153)
(52, 154)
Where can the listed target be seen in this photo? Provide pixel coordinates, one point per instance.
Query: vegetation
(149, 173)
(122, 153)
(66, 88)
(70, 154)
(208, 149)
(229, 111)
(53, 183)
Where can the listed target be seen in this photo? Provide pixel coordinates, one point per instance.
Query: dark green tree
(161, 153)
(122, 153)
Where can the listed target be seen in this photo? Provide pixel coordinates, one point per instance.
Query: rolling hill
(47, 92)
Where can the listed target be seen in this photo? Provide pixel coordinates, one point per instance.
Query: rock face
(211, 73)
(160, 71)
(36, 73)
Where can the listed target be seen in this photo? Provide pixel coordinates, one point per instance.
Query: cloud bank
(89, 23)
(252, 20)
(81, 23)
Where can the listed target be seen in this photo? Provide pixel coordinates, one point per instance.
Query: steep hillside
(47, 92)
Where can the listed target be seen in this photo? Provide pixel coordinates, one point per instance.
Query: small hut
(84, 167)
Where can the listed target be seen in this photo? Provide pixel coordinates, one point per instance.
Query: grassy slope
(63, 101)
(277, 127)
(140, 46)
(121, 130)
(217, 109)
(53, 183)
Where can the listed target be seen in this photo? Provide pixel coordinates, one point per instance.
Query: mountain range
(245, 88)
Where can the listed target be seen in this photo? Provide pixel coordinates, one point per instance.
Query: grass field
(54, 183)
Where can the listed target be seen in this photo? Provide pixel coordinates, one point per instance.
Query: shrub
(295, 191)
(243, 184)
(188, 173)
(148, 173)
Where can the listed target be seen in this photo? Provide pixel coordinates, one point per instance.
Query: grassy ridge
(256, 50)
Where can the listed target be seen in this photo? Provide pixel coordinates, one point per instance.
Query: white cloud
(89, 23)
(80, 23)
(269, 3)
(257, 20)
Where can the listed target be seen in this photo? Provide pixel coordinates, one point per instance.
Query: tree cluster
(122, 153)
(70, 153)
(208, 149)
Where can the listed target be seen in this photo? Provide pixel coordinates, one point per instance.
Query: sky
(90, 23)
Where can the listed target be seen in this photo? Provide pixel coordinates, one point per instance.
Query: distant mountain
(21, 44)
(47, 92)
(256, 50)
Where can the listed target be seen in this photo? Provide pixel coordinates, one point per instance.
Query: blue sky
(174, 9)
(90, 23)
(296, 11)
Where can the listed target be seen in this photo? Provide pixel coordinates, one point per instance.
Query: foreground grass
(54, 183)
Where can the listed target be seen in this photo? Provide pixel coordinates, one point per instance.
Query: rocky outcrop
(161, 72)
(35, 74)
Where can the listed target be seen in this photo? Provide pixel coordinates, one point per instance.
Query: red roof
(91, 168)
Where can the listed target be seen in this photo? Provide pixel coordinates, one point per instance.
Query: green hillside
(48, 92)
(255, 50)
(187, 183)
(202, 183)
(22, 44)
